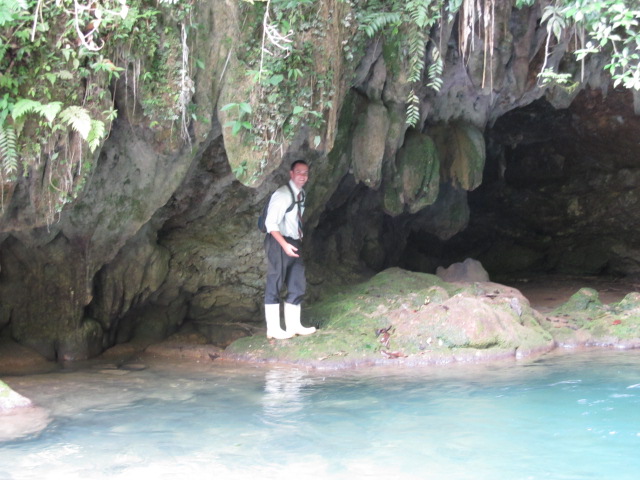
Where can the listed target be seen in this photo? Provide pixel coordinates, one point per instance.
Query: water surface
(559, 417)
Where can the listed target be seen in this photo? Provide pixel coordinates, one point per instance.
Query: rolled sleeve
(278, 205)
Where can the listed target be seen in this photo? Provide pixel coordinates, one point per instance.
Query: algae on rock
(410, 318)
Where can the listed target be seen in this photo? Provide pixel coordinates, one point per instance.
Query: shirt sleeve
(280, 201)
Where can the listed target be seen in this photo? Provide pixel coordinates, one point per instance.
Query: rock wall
(164, 234)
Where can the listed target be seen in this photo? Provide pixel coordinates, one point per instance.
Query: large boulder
(468, 271)
(409, 318)
(585, 321)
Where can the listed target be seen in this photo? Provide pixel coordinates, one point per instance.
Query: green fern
(79, 119)
(435, 71)
(96, 134)
(8, 151)
(417, 42)
(374, 22)
(25, 106)
(413, 109)
(418, 10)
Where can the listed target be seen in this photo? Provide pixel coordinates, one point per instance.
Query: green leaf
(8, 150)
(77, 118)
(24, 106)
(276, 79)
(96, 134)
(297, 110)
(65, 75)
(50, 110)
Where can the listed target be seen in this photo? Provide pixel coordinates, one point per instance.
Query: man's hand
(289, 249)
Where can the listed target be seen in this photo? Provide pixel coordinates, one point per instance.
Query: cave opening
(558, 197)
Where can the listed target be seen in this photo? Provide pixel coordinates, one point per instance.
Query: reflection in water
(562, 417)
(283, 393)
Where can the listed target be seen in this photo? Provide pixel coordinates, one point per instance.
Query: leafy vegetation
(280, 56)
(607, 27)
(411, 22)
(58, 62)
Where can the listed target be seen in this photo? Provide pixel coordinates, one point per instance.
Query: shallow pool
(571, 416)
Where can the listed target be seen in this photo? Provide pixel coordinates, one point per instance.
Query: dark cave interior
(559, 196)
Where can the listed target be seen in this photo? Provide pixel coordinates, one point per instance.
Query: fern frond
(8, 150)
(24, 106)
(435, 71)
(413, 109)
(50, 110)
(77, 118)
(424, 13)
(418, 10)
(96, 134)
(417, 43)
(374, 23)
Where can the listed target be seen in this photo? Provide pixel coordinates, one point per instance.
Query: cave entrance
(559, 198)
(559, 195)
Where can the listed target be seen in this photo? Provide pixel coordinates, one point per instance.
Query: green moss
(391, 54)
(425, 318)
(585, 299)
(419, 171)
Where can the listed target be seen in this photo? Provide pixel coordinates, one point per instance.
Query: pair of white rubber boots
(292, 323)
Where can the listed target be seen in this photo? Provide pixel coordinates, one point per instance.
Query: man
(282, 245)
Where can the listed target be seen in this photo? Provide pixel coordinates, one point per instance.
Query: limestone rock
(10, 399)
(462, 152)
(468, 271)
(369, 141)
(408, 318)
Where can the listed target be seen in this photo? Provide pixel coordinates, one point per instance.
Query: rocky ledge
(407, 318)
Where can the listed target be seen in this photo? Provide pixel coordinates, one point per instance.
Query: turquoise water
(571, 416)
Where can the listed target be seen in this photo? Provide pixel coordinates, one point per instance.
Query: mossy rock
(419, 167)
(585, 299)
(585, 321)
(462, 152)
(407, 317)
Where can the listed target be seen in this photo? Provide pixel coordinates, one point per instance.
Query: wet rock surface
(19, 417)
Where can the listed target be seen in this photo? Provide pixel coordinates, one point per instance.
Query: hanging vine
(57, 62)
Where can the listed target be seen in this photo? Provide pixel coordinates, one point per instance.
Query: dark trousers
(284, 271)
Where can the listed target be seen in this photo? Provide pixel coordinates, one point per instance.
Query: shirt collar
(295, 189)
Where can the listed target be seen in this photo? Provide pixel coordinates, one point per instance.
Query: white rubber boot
(292, 321)
(272, 315)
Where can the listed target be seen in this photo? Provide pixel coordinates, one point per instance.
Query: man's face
(299, 175)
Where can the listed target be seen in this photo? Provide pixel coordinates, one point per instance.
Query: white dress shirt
(286, 224)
